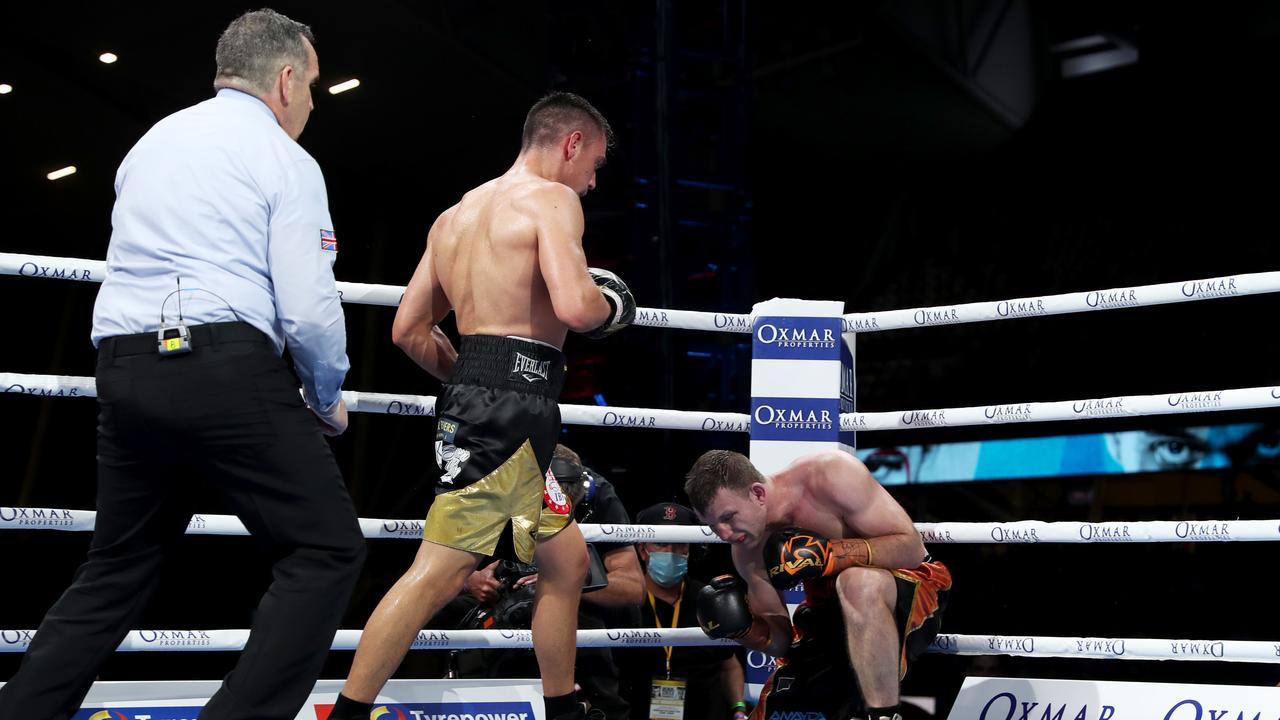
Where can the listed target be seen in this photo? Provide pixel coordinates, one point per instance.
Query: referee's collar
(244, 97)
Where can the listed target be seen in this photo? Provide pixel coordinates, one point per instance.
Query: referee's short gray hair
(256, 46)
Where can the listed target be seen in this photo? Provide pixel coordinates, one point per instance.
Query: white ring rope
(233, 640)
(1258, 651)
(1111, 299)
(424, 406)
(1008, 533)
(1021, 646)
(1109, 648)
(27, 518)
(655, 419)
(59, 268)
(1092, 409)
(1066, 303)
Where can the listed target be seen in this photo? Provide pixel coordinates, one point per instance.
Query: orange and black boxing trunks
(497, 425)
(815, 675)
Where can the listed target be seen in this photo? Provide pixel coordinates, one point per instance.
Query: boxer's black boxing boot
(347, 709)
(564, 707)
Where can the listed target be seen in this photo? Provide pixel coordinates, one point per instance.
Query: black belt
(201, 336)
(509, 363)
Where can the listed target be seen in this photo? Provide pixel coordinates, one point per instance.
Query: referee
(221, 257)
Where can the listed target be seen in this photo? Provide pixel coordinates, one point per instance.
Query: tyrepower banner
(400, 700)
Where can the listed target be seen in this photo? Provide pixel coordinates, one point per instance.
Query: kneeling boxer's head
(729, 494)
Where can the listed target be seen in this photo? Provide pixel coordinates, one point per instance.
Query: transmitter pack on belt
(173, 340)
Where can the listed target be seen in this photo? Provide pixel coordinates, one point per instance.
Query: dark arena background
(884, 154)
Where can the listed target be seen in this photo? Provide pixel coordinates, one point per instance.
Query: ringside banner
(399, 700)
(1013, 699)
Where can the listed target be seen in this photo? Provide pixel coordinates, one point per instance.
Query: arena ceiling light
(108, 58)
(344, 86)
(61, 173)
(1094, 54)
(5, 88)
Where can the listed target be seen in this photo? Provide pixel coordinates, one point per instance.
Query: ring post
(802, 378)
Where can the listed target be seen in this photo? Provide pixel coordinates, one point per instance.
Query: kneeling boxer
(826, 522)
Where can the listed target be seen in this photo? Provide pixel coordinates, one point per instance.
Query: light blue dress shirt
(221, 197)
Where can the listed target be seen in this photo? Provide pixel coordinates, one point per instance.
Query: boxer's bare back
(498, 250)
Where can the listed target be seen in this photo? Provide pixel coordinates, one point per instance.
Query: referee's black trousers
(228, 414)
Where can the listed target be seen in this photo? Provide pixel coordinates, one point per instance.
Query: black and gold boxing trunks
(498, 422)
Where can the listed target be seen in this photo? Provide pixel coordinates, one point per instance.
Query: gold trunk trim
(473, 518)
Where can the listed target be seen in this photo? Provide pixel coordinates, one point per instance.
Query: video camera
(513, 610)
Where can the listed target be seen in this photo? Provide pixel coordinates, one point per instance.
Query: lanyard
(675, 621)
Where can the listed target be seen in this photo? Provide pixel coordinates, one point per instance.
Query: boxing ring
(1024, 532)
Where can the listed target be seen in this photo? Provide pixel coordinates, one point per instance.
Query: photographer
(613, 592)
(706, 682)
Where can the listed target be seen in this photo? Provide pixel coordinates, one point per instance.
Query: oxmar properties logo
(796, 338)
(795, 418)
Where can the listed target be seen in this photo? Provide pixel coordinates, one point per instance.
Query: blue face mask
(666, 568)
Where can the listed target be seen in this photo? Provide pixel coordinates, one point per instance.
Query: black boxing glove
(622, 306)
(722, 608)
(794, 555)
